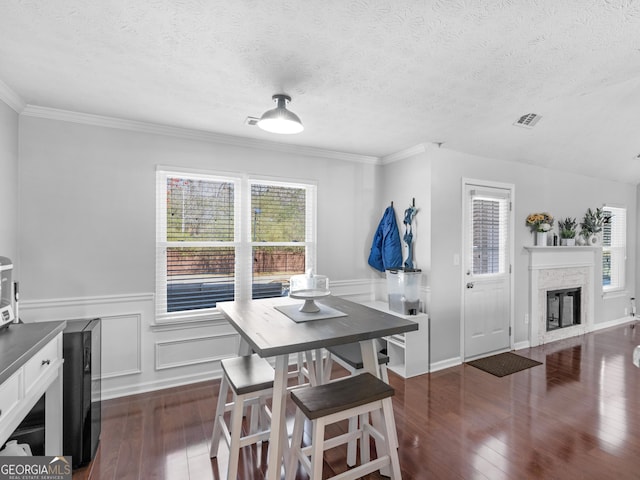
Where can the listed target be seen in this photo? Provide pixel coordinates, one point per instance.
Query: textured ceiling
(370, 77)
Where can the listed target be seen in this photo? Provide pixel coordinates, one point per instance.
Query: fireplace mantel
(558, 257)
(555, 268)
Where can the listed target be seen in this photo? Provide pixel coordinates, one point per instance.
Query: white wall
(536, 189)
(9, 184)
(401, 181)
(87, 236)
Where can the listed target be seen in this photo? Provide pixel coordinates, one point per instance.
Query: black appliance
(81, 408)
(81, 345)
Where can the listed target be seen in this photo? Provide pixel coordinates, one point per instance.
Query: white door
(487, 269)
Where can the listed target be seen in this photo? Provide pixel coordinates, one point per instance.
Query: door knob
(470, 285)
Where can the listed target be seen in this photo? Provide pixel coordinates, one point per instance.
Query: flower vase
(568, 242)
(541, 239)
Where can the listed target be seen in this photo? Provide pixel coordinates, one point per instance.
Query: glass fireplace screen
(563, 308)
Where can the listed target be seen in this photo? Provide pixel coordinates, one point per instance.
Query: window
(614, 248)
(223, 238)
(489, 231)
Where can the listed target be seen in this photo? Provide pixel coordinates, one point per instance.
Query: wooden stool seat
(250, 379)
(351, 354)
(248, 374)
(338, 396)
(353, 396)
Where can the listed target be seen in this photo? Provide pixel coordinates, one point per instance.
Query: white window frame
(243, 244)
(617, 250)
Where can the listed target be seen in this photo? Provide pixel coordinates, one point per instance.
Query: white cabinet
(30, 365)
(408, 352)
(10, 396)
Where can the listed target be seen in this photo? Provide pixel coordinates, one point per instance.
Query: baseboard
(108, 392)
(522, 345)
(613, 323)
(441, 365)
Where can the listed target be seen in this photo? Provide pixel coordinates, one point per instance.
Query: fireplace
(563, 308)
(561, 292)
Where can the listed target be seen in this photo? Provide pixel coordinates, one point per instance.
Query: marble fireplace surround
(554, 268)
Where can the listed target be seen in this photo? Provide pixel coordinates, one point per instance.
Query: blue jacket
(386, 250)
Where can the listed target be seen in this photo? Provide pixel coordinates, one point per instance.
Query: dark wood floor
(577, 416)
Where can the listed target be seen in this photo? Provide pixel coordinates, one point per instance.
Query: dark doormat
(503, 364)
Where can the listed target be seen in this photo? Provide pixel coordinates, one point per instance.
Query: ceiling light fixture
(279, 119)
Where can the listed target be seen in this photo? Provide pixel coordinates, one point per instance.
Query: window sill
(615, 293)
(189, 321)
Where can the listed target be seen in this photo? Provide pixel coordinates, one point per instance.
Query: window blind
(282, 234)
(488, 231)
(196, 249)
(614, 248)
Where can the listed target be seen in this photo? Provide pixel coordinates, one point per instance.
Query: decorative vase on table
(568, 242)
(541, 239)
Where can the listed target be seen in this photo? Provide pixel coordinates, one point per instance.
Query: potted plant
(540, 223)
(591, 225)
(568, 232)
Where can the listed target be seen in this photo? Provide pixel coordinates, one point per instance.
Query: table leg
(319, 366)
(369, 357)
(278, 423)
(243, 347)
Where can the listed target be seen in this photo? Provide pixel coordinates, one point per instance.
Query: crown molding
(11, 98)
(156, 129)
(401, 155)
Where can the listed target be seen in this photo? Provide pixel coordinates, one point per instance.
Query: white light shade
(279, 119)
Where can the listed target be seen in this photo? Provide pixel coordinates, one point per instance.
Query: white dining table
(270, 333)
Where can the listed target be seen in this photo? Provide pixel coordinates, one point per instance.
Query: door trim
(512, 191)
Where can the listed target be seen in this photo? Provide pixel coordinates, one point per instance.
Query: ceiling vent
(528, 120)
(251, 121)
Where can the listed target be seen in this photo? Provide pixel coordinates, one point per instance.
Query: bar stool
(350, 357)
(251, 381)
(332, 402)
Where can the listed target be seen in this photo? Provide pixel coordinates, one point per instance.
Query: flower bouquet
(540, 223)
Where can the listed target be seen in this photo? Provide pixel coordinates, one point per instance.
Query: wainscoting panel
(354, 290)
(193, 351)
(121, 336)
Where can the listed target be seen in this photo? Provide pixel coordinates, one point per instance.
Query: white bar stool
(251, 381)
(350, 357)
(332, 402)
